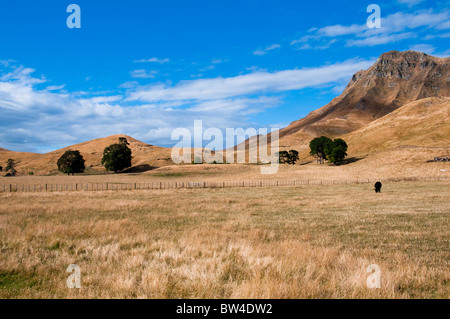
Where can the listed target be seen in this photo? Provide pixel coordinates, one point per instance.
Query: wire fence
(114, 186)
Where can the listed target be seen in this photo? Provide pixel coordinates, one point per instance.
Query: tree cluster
(116, 157)
(324, 148)
(288, 157)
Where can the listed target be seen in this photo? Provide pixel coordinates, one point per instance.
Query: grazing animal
(378, 187)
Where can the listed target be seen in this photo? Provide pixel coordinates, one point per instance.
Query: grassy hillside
(423, 123)
(144, 156)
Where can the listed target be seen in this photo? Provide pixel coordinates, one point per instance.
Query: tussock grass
(290, 242)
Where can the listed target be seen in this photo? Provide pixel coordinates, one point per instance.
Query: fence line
(111, 186)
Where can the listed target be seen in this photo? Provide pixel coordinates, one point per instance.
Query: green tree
(71, 162)
(117, 157)
(288, 157)
(283, 157)
(318, 146)
(10, 166)
(292, 157)
(337, 151)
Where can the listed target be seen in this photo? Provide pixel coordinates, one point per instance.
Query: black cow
(378, 187)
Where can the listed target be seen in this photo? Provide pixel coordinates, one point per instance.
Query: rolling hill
(145, 156)
(424, 123)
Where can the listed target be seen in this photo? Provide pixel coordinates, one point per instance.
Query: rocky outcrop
(395, 79)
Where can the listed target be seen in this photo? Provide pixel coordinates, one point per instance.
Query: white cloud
(444, 25)
(55, 87)
(272, 47)
(410, 2)
(425, 48)
(153, 60)
(395, 27)
(266, 49)
(444, 54)
(324, 45)
(218, 61)
(243, 106)
(305, 46)
(442, 36)
(105, 99)
(380, 39)
(143, 74)
(338, 30)
(259, 52)
(7, 63)
(129, 85)
(253, 83)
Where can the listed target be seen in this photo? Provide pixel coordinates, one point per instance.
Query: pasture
(269, 242)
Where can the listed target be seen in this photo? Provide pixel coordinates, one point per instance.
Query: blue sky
(143, 68)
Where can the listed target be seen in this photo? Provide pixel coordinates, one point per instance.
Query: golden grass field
(277, 242)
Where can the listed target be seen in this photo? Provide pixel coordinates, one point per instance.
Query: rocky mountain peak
(395, 79)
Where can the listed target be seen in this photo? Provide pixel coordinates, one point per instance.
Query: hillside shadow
(139, 169)
(350, 160)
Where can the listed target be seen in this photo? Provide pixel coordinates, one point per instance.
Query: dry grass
(296, 242)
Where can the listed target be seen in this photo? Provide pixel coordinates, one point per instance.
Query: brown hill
(396, 79)
(145, 156)
(424, 123)
(420, 129)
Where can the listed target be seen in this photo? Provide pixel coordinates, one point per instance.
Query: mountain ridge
(395, 79)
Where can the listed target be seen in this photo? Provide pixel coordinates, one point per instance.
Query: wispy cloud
(218, 61)
(153, 60)
(143, 74)
(7, 63)
(55, 87)
(266, 49)
(394, 28)
(410, 2)
(253, 83)
(425, 48)
(442, 36)
(105, 99)
(380, 39)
